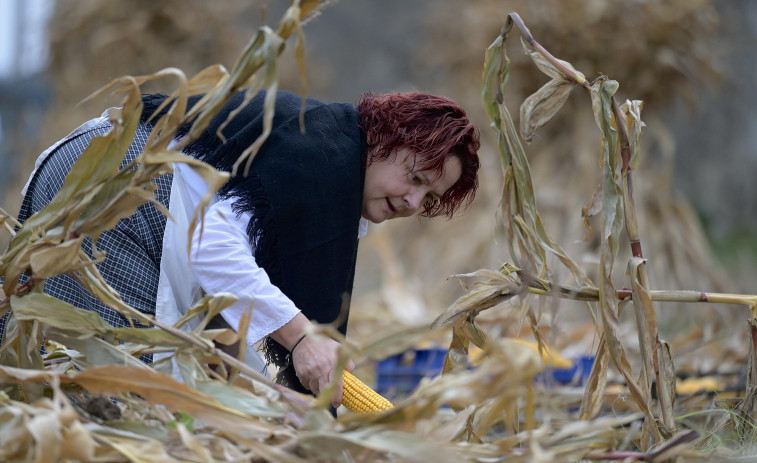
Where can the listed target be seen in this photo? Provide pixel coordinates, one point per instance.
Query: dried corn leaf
(55, 260)
(457, 354)
(398, 340)
(54, 312)
(566, 72)
(646, 321)
(519, 211)
(540, 107)
(602, 92)
(486, 288)
(142, 450)
(311, 8)
(632, 112)
(162, 389)
(244, 401)
(405, 446)
(594, 390)
(666, 384)
(94, 352)
(208, 307)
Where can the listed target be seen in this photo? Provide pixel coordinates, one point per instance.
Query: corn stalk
(620, 126)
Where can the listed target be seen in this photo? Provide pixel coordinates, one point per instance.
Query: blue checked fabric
(133, 248)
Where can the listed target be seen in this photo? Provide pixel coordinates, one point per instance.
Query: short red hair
(433, 127)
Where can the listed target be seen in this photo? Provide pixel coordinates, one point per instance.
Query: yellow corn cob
(360, 398)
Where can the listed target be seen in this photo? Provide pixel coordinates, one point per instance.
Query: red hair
(432, 127)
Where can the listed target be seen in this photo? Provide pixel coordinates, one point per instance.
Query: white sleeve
(222, 260)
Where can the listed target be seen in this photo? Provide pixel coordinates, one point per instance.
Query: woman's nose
(414, 199)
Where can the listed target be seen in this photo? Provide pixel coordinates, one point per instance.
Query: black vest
(304, 191)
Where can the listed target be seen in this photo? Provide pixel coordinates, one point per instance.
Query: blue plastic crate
(577, 375)
(400, 374)
(397, 376)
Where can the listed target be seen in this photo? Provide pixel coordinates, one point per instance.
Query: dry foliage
(58, 406)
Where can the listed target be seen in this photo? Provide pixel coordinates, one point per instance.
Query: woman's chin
(375, 218)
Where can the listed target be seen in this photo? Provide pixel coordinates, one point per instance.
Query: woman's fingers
(338, 394)
(315, 362)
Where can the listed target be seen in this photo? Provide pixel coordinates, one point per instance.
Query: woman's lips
(391, 208)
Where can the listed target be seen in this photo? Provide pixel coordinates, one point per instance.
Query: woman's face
(394, 188)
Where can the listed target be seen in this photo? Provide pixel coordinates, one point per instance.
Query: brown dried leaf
(159, 388)
(44, 427)
(590, 210)
(666, 385)
(54, 312)
(457, 354)
(594, 389)
(540, 107)
(78, 443)
(646, 319)
(486, 288)
(55, 260)
(549, 68)
(94, 352)
(634, 124)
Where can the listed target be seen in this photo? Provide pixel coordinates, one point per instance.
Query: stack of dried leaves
(88, 398)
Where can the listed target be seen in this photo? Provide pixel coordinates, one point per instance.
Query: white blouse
(221, 260)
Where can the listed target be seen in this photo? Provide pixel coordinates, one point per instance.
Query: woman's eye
(417, 179)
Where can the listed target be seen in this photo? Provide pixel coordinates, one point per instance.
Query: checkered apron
(133, 248)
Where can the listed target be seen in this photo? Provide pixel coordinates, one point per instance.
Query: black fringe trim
(249, 196)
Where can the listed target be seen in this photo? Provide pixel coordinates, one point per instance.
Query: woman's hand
(315, 360)
(314, 357)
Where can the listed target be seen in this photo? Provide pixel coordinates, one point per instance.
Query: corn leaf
(526, 236)
(159, 388)
(612, 199)
(540, 107)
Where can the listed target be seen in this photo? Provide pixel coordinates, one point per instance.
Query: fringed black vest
(304, 191)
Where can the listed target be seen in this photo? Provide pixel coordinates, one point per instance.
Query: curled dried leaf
(540, 107)
(566, 71)
(593, 208)
(486, 288)
(634, 124)
(52, 261)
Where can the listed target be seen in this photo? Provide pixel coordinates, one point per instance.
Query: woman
(283, 238)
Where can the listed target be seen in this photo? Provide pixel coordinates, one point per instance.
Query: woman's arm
(314, 357)
(222, 260)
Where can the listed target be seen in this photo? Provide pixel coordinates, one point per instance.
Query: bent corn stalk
(620, 127)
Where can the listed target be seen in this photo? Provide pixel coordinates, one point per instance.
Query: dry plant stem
(752, 369)
(230, 360)
(650, 360)
(695, 296)
(515, 18)
(592, 294)
(648, 341)
(90, 279)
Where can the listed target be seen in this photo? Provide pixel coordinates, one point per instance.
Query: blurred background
(692, 62)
